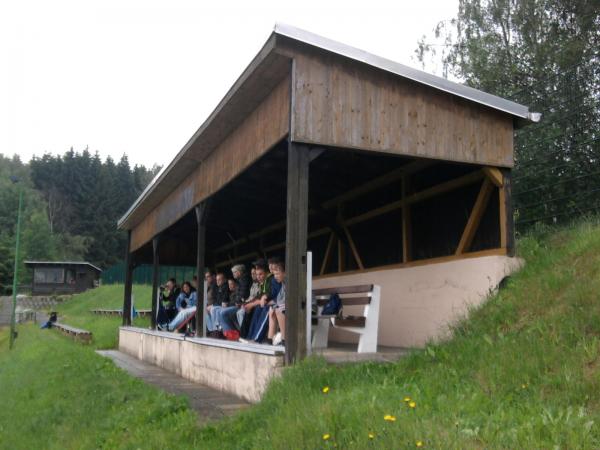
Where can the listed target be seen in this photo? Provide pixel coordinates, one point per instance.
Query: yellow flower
(419, 443)
(389, 418)
(326, 436)
(325, 389)
(371, 435)
(406, 399)
(523, 386)
(412, 404)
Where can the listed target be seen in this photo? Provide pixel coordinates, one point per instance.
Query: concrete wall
(242, 373)
(419, 303)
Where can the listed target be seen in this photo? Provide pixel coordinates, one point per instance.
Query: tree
(544, 54)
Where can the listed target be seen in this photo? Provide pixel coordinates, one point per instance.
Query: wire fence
(557, 161)
(143, 274)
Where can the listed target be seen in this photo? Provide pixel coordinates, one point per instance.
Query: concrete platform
(243, 370)
(210, 404)
(340, 353)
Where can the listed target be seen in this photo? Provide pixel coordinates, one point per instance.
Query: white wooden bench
(366, 326)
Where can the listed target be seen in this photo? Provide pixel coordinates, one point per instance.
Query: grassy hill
(104, 329)
(522, 372)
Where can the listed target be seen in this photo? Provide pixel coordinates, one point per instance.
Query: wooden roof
(267, 73)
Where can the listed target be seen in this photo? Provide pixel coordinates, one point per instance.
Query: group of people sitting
(248, 306)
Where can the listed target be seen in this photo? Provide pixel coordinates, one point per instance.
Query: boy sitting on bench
(186, 306)
(277, 311)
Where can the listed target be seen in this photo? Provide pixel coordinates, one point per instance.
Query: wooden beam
(420, 262)
(128, 283)
(423, 195)
(406, 224)
(438, 189)
(201, 217)
(315, 153)
(508, 212)
(376, 183)
(475, 217)
(419, 196)
(381, 181)
(352, 246)
(295, 255)
(155, 281)
(374, 213)
(502, 218)
(341, 255)
(245, 256)
(327, 253)
(494, 175)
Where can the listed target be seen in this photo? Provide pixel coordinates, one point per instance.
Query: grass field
(522, 372)
(104, 328)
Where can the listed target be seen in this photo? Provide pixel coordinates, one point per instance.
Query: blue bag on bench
(333, 306)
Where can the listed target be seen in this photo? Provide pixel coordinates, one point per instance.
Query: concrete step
(209, 403)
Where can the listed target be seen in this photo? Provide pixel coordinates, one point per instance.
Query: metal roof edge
(408, 72)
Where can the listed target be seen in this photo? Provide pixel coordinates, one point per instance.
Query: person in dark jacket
(209, 278)
(167, 309)
(247, 291)
(268, 295)
(243, 280)
(220, 301)
(233, 294)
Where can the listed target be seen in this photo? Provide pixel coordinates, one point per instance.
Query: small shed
(62, 277)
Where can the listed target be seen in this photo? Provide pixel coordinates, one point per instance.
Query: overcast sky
(139, 77)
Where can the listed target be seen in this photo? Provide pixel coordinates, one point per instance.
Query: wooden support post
(507, 223)
(155, 280)
(201, 215)
(406, 223)
(128, 283)
(341, 255)
(475, 218)
(295, 255)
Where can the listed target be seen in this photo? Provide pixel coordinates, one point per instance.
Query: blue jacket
(190, 300)
(275, 288)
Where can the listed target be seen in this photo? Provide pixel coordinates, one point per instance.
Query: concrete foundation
(420, 303)
(238, 369)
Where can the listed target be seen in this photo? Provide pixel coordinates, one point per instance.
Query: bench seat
(365, 325)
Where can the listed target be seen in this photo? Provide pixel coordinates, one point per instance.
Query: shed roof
(183, 163)
(62, 263)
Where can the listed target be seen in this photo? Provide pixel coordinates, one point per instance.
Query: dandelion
(419, 444)
(389, 418)
(371, 435)
(326, 436)
(412, 404)
(524, 386)
(325, 390)
(406, 399)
